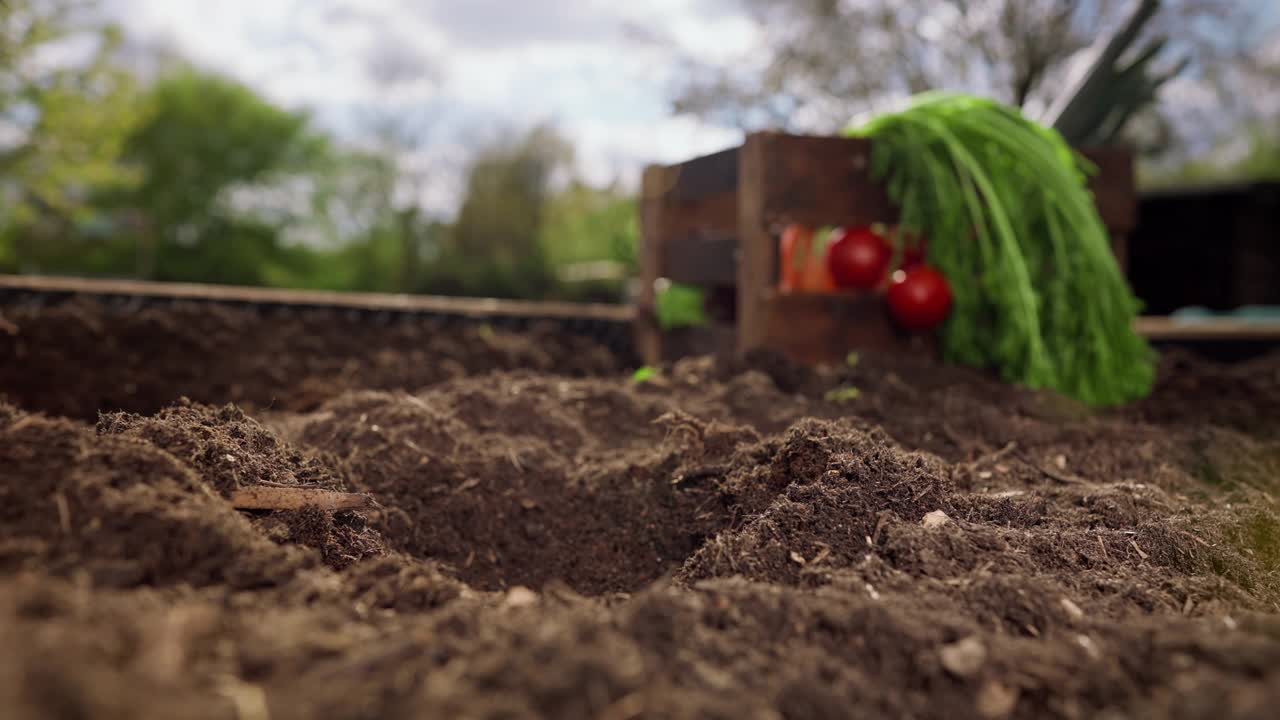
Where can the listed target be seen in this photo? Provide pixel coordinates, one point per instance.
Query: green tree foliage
(1256, 157)
(63, 123)
(584, 223)
(218, 163)
(495, 245)
(591, 237)
(357, 245)
(223, 173)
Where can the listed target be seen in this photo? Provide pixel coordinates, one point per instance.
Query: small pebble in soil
(964, 658)
(1072, 609)
(935, 519)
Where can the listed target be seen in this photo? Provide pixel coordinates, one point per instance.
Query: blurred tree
(1262, 159)
(223, 172)
(66, 108)
(583, 223)
(591, 238)
(494, 247)
(819, 63)
(358, 229)
(402, 128)
(1252, 155)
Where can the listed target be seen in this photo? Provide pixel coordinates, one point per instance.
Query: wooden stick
(263, 497)
(757, 266)
(647, 332)
(478, 307)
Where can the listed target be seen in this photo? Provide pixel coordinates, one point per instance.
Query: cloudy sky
(501, 61)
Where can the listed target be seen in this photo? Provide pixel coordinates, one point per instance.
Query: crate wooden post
(648, 335)
(757, 252)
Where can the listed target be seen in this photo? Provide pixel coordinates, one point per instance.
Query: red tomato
(858, 258)
(919, 299)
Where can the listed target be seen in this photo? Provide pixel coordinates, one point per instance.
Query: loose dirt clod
(996, 700)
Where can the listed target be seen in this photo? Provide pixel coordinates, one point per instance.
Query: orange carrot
(817, 275)
(793, 250)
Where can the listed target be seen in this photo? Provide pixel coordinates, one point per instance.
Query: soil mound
(842, 497)
(518, 480)
(1242, 396)
(229, 451)
(121, 511)
(727, 649)
(838, 486)
(225, 447)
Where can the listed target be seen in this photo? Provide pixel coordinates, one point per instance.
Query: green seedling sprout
(842, 395)
(643, 374)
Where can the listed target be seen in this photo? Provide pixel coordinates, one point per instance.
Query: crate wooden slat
(713, 174)
(821, 328)
(710, 261)
(816, 180)
(708, 216)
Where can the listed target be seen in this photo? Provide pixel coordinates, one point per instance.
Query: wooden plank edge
(473, 307)
(1165, 328)
(270, 497)
(1152, 327)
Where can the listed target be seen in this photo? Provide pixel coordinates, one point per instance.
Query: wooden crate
(715, 220)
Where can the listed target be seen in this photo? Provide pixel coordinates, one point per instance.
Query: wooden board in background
(463, 306)
(1169, 329)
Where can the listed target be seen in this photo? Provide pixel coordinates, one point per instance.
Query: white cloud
(503, 25)
(510, 62)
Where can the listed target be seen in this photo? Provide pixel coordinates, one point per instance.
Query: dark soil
(554, 540)
(79, 358)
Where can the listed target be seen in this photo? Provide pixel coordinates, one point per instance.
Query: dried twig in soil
(989, 458)
(994, 456)
(282, 498)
